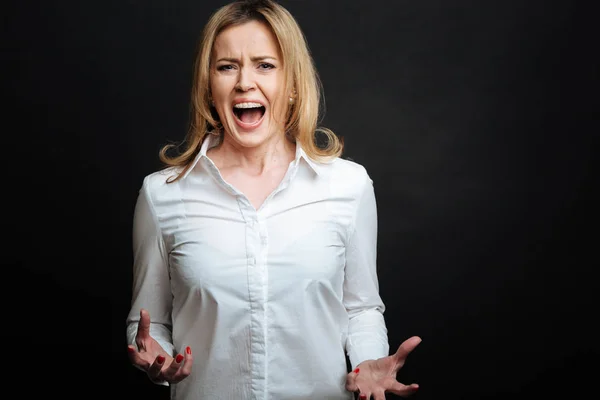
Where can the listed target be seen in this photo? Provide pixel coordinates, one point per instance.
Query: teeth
(247, 105)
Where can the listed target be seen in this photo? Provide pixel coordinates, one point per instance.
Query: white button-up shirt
(269, 300)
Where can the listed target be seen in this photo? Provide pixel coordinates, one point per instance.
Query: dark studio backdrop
(477, 121)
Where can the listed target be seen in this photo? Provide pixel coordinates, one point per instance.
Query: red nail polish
(363, 396)
(130, 349)
(179, 358)
(160, 360)
(188, 350)
(357, 370)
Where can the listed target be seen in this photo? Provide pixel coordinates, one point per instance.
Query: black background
(477, 121)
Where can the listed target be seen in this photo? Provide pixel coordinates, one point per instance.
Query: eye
(225, 67)
(265, 65)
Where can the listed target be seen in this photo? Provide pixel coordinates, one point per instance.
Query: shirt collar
(301, 155)
(211, 141)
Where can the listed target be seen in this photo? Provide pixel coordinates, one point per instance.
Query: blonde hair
(301, 78)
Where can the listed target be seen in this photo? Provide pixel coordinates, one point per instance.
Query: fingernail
(130, 349)
(188, 350)
(357, 370)
(160, 360)
(179, 358)
(363, 396)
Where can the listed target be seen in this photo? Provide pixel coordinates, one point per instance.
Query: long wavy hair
(301, 77)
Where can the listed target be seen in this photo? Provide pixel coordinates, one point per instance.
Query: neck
(275, 153)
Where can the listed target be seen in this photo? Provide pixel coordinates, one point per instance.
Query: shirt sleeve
(367, 333)
(151, 282)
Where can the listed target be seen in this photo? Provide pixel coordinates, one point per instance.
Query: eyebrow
(254, 59)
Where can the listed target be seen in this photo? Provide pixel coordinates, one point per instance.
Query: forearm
(367, 337)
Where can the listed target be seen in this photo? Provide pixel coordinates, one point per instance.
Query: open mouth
(249, 113)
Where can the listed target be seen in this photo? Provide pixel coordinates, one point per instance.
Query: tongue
(251, 115)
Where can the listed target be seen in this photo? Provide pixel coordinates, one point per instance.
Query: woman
(254, 249)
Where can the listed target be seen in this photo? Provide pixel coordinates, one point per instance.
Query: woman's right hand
(152, 358)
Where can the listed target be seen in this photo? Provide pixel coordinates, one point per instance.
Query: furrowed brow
(254, 59)
(263, 58)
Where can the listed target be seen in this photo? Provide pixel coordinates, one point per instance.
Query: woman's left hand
(376, 377)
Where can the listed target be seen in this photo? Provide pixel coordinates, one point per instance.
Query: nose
(245, 81)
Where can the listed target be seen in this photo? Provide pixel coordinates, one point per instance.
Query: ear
(293, 96)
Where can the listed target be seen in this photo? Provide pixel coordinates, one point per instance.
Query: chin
(250, 138)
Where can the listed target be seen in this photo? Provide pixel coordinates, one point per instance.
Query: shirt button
(252, 260)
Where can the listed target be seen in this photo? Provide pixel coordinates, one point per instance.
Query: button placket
(256, 282)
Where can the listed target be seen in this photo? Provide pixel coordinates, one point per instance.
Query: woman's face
(247, 84)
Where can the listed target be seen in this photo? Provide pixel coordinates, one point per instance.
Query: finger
(185, 369)
(379, 395)
(143, 331)
(136, 359)
(402, 390)
(170, 373)
(364, 396)
(155, 369)
(406, 347)
(351, 381)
